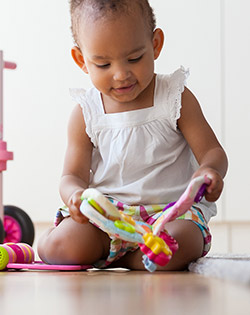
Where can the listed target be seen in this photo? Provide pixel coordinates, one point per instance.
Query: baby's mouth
(125, 89)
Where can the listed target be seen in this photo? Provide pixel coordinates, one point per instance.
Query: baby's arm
(75, 176)
(204, 144)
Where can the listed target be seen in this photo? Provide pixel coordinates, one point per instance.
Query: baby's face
(119, 55)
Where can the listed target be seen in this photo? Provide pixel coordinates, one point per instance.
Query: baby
(136, 136)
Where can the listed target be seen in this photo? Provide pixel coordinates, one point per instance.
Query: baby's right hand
(74, 207)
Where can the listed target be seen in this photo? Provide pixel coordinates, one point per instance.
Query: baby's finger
(77, 215)
(214, 190)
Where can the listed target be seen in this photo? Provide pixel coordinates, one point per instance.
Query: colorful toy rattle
(15, 253)
(153, 240)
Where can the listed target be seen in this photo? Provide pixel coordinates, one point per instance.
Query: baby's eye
(135, 59)
(103, 66)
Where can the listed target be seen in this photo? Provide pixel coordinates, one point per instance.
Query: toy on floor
(157, 245)
(22, 256)
(15, 224)
(15, 252)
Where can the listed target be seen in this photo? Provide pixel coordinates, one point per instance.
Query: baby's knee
(49, 247)
(190, 241)
(53, 249)
(72, 243)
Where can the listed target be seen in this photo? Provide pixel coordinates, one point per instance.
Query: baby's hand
(215, 187)
(74, 206)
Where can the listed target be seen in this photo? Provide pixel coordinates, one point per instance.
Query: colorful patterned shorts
(148, 214)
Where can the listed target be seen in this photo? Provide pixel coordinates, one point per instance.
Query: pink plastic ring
(18, 251)
(27, 251)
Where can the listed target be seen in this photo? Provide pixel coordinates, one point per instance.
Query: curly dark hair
(102, 7)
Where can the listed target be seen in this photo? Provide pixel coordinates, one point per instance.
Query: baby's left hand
(215, 187)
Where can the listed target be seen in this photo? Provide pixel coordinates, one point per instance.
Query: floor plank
(119, 292)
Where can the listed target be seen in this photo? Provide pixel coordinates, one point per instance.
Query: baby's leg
(191, 245)
(73, 243)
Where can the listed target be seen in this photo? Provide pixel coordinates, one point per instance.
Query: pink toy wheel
(13, 231)
(18, 226)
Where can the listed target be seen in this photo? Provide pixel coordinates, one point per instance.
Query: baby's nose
(121, 74)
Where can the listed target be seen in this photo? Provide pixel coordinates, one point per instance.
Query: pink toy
(192, 194)
(4, 154)
(39, 265)
(15, 224)
(157, 255)
(156, 244)
(21, 256)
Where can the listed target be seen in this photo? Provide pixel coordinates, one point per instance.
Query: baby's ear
(78, 58)
(158, 40)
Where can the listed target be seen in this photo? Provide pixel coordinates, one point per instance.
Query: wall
(209, 37)
(36, 35)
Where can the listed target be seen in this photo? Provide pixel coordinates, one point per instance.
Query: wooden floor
(119, 292)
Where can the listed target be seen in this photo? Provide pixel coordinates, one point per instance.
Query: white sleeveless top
(140, 156)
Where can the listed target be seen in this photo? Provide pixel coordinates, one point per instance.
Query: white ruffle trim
(177, 83)
(78, 95)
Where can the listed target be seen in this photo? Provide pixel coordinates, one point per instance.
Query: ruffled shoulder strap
(177, 82)
(169, 90)
(80, 97)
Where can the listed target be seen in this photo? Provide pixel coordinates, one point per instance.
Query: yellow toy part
(95, 205)
(156, 244)
(139, 229)
(124, 226)
(127, 218)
